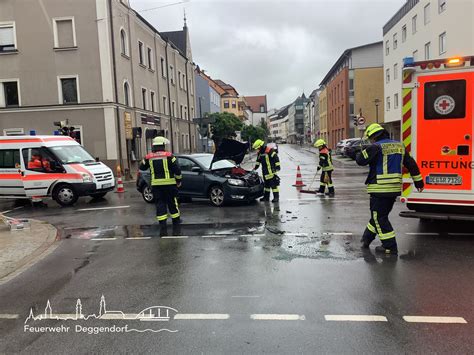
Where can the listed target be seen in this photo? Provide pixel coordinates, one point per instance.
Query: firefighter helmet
(258, 144)
(160, 140)
(372, 129)
(319, 143)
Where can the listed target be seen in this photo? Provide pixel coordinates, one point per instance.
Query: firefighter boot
(331, 192)
(389, 247)
(266, 197)
(276, 197)
(367, 238)
(176, 220)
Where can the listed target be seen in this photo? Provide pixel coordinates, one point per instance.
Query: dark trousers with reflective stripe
(323, 183)
(379, 224)
(271, 185)
(166, 198)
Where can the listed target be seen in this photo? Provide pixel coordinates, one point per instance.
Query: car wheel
(216, 195)
(65, 195)
(147, 194)
(98, 195)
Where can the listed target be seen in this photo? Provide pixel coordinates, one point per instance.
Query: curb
(46, 248)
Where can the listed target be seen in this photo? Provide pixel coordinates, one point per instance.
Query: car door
(10, 173)
(193, 178)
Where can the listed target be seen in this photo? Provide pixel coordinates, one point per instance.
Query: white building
(424, 30)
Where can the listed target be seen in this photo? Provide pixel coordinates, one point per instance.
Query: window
(163, 73)
(442, 43)
(427, 50)
(144, 98)
(68, 90)
(262, 108)
(191, 88)
(351, 109)
(395, 41)
(404, 33)
(7, 38)
(181, 111)
(387, 75)
(40, 159)
(234, 104)
(415, 55)
(9, 159)
(186, 164)
(64, 32)
(427, 14)
(152, 101)
(184, 82)
(185, 112)
(9, 94)
(395, 101)
(150, 58)
(445, 99)
(140, 53)
(226, 103)
(164, 105)
(179, 80)
(173, 108)
(395, 71)
(172, 74)
(441, 5)
(387, 105)
(123, 42)
(126, 93)
(387, 48)
(413, 24)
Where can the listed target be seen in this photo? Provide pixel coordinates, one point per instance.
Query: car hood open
(232, 150)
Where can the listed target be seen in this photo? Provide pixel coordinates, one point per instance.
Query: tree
(224, 126)
(252, 133)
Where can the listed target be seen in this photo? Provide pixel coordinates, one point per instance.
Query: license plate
(105, 186)
(444, 180)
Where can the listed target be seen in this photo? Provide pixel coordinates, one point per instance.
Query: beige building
(323, 114)
(103, 67)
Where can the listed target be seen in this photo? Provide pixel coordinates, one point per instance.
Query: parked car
(342, 144)
(212, 176)
(357, 147)
(346, 148)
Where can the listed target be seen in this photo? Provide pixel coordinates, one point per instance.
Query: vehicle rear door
(193, 181)
(11, 183)
(444, 130)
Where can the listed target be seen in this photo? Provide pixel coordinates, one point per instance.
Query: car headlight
(86, 177)
(235, 182)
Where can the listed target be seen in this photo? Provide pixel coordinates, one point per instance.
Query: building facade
(423, 30)
(296, 125)
(314, 115)
(348, 73)
(258, 109)
(278, 125)
(323, 114)
(104, 68)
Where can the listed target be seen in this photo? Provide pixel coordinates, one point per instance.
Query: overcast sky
(275, 47)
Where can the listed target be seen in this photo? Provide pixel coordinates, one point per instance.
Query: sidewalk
(21, 249)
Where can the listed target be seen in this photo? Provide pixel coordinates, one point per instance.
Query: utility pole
(377, 102)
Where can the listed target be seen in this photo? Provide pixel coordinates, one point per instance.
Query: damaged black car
(217, 177)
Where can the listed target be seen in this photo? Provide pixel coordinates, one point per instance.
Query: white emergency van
(50, 166)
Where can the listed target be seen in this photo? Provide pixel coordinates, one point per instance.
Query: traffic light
(64, 128)
(355, 119)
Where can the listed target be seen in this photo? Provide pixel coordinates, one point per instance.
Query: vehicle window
(186, 164)
(39, 159)
(10, 159)
(445, 99)
(72, 154)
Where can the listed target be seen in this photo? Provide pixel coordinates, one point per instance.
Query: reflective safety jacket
(386, 159)
(164, 168)
(325, 160)
(268, 159)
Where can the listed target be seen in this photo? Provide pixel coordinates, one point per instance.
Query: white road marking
(9, 316)
(355, 318)
(102, 208)
(252, 235)
(201, 316)
(297, 234)
(245, 296)
(138, 238)
(421, 319)
(421, 233)
(337, 233)
(104, 239)
(277, 317)
(175, 237)
(214, 236)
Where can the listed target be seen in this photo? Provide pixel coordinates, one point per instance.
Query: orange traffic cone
(299, 179)
(120, 188)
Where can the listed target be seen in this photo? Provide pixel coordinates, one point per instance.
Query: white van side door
(11, 183)
(38, 171)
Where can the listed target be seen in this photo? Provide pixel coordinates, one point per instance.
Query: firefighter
(268, 158)
(165, 180)
(325, 164)
(386, 159)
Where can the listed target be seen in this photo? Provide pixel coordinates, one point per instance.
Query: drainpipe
(114, 66)
(189, 108)
(169, 95)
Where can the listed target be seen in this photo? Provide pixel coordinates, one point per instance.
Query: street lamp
(377, 102)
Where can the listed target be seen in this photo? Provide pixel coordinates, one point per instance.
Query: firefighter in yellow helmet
(386, 159)
(268, 158)
(165, 180)
(325, 164)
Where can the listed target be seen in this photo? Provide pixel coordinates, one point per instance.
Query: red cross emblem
(444, 105)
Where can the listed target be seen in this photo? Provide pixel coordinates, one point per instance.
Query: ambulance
(34, 167)
(438, 130)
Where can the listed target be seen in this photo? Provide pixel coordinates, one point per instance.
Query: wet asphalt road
(258, 278)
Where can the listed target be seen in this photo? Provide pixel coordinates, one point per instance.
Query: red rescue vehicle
(438, 130)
